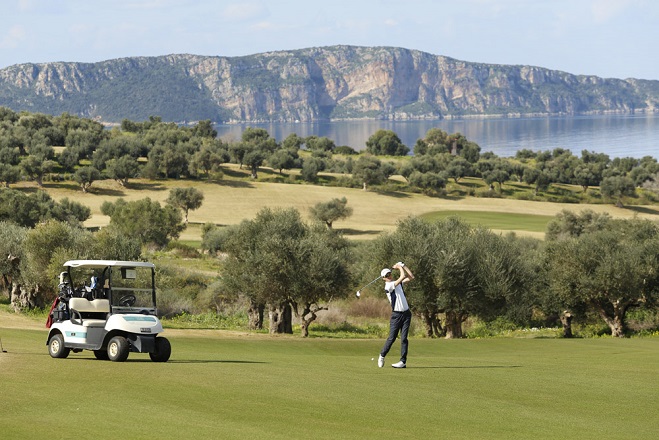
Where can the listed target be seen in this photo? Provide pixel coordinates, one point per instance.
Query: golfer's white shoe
(399, 364)
(380, 362)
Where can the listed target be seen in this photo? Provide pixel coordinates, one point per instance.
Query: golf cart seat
(92, 313)
(83, 305)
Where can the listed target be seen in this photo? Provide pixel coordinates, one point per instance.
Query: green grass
(219, 385)
(496, 220)
(236, 197)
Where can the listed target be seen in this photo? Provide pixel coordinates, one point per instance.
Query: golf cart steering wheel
(127, 300)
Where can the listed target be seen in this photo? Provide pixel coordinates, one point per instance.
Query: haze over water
(615, 135)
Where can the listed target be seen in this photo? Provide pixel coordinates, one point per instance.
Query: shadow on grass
(350, 231)
(150, 186)
(472, 367)
(106, 192)
(201, 361)
(62, 185)
(643, 210)
(394, 194)
(231, 183)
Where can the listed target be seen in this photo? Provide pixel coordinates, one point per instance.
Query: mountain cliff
(337, 82)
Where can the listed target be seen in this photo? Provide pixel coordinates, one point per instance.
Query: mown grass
(235, 197)
(496, 220)
(219, 385)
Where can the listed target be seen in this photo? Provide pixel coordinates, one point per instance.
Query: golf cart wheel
(163, 350)
(118, 349)
(101, 355)
(56, 347)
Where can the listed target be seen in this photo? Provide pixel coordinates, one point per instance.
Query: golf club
(359, 292)
(2, 348)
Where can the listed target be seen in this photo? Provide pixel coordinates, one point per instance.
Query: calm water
(615, 135)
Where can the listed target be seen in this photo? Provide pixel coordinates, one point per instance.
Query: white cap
(384, 272)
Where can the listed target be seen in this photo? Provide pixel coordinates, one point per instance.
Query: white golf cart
(113, 315)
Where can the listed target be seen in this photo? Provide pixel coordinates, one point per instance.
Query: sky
(606, 38)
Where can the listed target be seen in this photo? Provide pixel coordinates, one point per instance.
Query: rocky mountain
(337, 82)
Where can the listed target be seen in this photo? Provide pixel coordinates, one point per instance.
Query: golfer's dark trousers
(400, 322)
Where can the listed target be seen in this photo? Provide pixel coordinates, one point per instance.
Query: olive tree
(279, 261)
(121, 169)
(386, 142)
(413, 242)
(617, 187)
(145, 220)
(608, 271)
(185, 199)
(461, 271)
(85, 176)
(329, 212)
(369, 170)
(11, 253)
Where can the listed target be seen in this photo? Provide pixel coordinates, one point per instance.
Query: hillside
(338, 82)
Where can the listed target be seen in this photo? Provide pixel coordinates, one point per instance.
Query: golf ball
(372, 359)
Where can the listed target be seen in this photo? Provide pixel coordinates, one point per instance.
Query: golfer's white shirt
(397, 298)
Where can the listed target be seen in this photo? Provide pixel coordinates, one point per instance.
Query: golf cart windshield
(132, 290)
(129, 286)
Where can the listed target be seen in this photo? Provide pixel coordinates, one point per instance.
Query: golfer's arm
(402, 278)
(409, 274)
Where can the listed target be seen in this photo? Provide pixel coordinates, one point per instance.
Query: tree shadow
(643, 210)
(468, 184)
(239, 173)
(470, 367)
(231, 183)
(350, 231)
(150, 186)
(106, 192)
(70, 186)
(394, 194)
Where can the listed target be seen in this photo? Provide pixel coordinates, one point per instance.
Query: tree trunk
(281, 318)
(255, 315)
(432, 324)
(453, 324)
(616, 322)
(566, 320)
(308, 316)
(23, 297)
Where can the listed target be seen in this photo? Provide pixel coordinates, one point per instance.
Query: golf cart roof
(105, 263)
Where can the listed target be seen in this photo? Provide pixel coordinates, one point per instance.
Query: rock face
(338, 82)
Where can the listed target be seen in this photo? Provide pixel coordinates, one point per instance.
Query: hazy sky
(607, 38)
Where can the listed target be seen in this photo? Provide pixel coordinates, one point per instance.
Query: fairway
(230, 201)
(497, 220)
(235, 386)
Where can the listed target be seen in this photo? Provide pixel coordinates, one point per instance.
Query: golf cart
(113, 315)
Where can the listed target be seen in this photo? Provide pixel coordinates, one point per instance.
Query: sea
(619, 135)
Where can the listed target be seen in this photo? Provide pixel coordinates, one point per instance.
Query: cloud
(607, 10)
(13, 38)
(26, 5)
(390, 22)
(245, 11)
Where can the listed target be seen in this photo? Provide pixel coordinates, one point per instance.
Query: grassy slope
(219, 385)
(233, 199)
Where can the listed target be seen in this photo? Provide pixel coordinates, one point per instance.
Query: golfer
(401, 317)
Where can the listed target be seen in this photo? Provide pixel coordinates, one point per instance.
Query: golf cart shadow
(174, 361)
